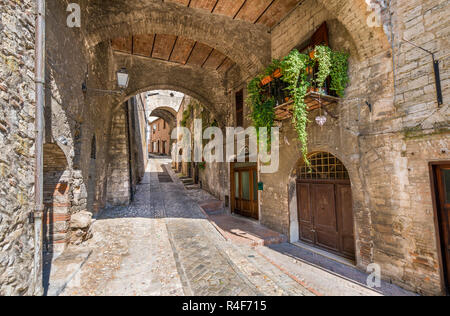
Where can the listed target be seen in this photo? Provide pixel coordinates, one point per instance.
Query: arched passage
(167, 114)
(56, 198)
(322, 209)
(202, 84)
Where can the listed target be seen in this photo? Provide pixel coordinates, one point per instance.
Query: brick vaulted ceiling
(188, 52)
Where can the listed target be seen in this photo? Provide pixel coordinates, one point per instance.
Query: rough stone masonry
(95, 136)
(17, 151)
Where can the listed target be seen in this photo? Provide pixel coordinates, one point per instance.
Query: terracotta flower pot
(266, 80)
(277, 73)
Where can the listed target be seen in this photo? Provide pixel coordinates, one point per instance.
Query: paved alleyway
(164, 245)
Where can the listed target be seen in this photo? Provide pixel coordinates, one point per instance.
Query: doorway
(441, 183)
(92, 177)
(325, 211)
(245, 190)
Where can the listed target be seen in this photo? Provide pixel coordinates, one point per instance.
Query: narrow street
(163, 244)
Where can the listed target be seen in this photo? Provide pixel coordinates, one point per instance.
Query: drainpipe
(39, 125)
(130, 156)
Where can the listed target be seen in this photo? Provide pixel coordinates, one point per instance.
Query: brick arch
(56, 198)
(245, 43)
(353, 14)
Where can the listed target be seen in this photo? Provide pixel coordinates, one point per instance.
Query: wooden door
(325, 215)
(443, 208)
(245, 192)
(305, 215)
(344, 205)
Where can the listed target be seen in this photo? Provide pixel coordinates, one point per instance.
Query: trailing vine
(186, 117)
(262, 107)
(323, 56)
(339, 72)
(295, 75)
(187, 114)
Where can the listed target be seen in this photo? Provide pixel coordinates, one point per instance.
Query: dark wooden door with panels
(244, 190)
(441, 183)
(325, 208)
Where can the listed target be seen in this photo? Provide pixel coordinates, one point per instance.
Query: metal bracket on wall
(437, 75)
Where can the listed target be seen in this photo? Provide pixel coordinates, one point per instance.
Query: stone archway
(204, 85)
(57, 203)
(243, 42)
(167, 114)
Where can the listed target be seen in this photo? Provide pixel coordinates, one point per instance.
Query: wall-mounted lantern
(123, 80)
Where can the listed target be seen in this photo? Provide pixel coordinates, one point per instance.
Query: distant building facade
(159, 138)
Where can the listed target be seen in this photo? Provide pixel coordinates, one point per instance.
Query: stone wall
(73, 118)
(141, 132)
(137, 139)
(119, 170)
(387, 151)
(16, 142)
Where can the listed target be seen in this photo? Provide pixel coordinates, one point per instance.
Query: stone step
(187, 181)
(192, 187)
(245, 231)
(212, 206)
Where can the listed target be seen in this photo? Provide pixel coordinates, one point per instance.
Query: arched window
(324, 166)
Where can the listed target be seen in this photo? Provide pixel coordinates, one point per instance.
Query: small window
(94, 148)
(240, 108)
(324, 166)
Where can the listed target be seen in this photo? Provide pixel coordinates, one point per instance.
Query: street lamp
(123, 80)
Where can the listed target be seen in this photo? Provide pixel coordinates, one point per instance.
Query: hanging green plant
(323, 56)
(295, 75)
(186, 117)
(188, 113)
(339, 72)
(262, 107)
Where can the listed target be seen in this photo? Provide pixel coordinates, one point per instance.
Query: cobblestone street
(163, 244)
